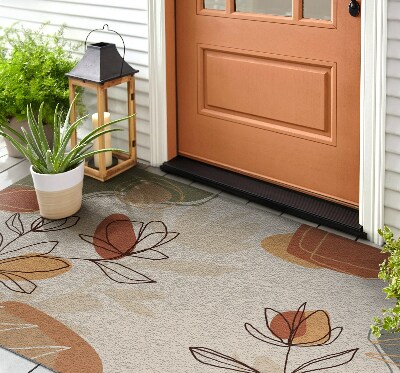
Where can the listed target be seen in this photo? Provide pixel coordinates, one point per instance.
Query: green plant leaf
(33, 65)
(31, 144)
(44, 160)
(389, 272)
(56, 130)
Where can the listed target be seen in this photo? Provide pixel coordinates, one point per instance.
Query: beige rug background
(217, 277)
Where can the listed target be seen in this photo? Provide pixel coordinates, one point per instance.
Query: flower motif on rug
(35, 335)
(21, 263)
(117, 237)
(300, 328)
(145, 188)
(315, 248)
(117, 240)
(140, 188)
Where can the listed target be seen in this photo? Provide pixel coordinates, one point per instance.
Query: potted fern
(32, 70)
(57, 173)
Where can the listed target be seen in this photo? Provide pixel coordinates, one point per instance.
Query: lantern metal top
(101, 63)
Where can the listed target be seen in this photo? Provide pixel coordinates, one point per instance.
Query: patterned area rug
(156, 276)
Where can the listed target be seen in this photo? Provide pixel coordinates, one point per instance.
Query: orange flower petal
(114, 234)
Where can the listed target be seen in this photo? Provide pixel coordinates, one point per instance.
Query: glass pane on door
(215, 4)
(274, 7)
(317, 9)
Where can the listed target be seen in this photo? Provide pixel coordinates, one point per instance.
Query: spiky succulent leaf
(34, 146)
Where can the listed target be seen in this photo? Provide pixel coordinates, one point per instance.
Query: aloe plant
(46, 160)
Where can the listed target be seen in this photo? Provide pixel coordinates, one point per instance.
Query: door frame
(163, 111)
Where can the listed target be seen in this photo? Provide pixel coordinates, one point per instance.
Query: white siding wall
(128, 17)
(392, 183)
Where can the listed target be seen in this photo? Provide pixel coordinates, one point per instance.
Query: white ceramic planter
(59, 195)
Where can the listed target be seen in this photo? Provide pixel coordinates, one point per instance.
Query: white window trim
(372, 105)
(373, 116)
(157, 83)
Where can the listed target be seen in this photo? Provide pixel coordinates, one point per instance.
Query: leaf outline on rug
(122, 274)
(36, 262)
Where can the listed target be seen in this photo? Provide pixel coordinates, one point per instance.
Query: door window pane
(215, 4)
(317, 9)
(274, 7)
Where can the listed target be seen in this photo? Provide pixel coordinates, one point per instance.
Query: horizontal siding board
(134, 4)
(393, 87)
(393, 10)
(120, 140)
(392, 181)
(127, 17)
(393, 125)
(393, 106)
(75, 33)
(392, 161)
(392, 175)
(119, 97)
(7, 18)
(394, 49)
(120, 106)
(393, 30)
(392, 217)
(143, 153)
(78, 10)
(392, 199)
(393, 68)
(392, 143)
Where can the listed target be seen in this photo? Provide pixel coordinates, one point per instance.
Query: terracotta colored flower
(117, 237)
(296, 328)
(287, 329)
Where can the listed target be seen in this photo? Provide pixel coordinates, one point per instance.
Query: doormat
(153, 275)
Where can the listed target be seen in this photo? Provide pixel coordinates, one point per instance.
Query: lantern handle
(108, 29)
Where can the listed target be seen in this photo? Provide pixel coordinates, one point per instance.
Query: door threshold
(289, 201)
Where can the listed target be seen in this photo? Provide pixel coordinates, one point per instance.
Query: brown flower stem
(287, 359)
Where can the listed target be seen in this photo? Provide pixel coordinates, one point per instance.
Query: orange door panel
(272, 95)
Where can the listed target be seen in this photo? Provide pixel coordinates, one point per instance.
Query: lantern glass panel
(118, 108)
(89, 102)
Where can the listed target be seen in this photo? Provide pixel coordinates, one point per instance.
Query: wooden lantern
(101, 68)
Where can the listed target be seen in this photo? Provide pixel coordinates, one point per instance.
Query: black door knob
(354, 8)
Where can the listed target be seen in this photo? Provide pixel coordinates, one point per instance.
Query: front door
(270, 89)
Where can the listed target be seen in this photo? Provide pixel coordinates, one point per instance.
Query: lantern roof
(101, 63)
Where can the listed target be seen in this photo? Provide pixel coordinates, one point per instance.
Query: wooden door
(270, 89)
